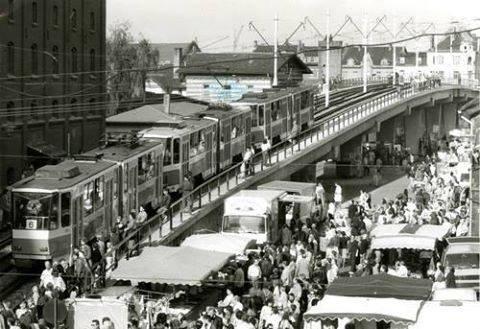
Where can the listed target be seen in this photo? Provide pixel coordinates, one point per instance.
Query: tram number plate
(31, 224)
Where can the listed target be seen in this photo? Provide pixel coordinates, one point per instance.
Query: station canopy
(379, 297)
(235, 244)
(407, 236)
(171, 265)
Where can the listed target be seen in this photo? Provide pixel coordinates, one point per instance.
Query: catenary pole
(327, 62)
(275, 53)
(365, 41)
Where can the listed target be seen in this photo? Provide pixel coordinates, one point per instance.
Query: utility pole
(327, 62)
(365, 41)
(275, 53)
(394, 52)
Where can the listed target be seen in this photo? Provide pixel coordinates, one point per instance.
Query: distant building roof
(296, 49)
(456, 40)
(239, 63)
(155, 114)
(382, 56)
(166, 51)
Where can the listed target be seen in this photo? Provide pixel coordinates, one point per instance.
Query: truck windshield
(35, 211)
(462, 261)
(244, 224)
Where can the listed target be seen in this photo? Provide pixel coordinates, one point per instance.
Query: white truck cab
(463, 254)
(254, 214)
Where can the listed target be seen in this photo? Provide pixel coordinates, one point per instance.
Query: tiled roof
(239, 63)
(456, 39)
(377, 54)
(166, 51)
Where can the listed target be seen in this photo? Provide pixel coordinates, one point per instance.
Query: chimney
(255, 44)
(166, 103)
(177, 61)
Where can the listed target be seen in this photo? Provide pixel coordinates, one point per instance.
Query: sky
(214, 22)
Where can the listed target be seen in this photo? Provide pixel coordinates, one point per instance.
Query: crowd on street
(273, 288)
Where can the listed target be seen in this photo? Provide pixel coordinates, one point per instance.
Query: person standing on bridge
(266, 146)
(187, 190)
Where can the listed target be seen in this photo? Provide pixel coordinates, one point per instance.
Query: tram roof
(124, 151)
(63, 175)
(268, 95)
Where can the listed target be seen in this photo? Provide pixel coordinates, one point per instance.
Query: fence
(223, 183)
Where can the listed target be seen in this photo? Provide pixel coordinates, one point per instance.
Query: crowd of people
(274, 287)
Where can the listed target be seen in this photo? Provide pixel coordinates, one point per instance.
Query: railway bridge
(418, 111)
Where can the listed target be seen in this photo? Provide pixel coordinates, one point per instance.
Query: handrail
(327, 126)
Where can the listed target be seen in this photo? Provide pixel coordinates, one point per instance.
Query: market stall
(236, 244)
(366, 301)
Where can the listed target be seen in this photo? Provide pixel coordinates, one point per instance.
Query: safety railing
(223, 183)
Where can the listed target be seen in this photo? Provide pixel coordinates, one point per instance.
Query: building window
(74, 60)
(55, 113)
(73, 107)
(11, 10)
(92, 21)
(10, 58)
(73, 19)
(10, 111)
(456, 60)
(205, 86)
(439, 59)
(55, 15)
(91, 106)
(34, 13)
(469, 61)
(33, 109)
(92, 60)
(34, 58)
(55, 60)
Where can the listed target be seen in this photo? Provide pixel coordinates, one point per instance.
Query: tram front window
(35, 211)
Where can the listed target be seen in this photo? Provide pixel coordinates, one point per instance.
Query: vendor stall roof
(361, 308)
(236, 244)
(390, 236)
(171, 265)
(381, 286)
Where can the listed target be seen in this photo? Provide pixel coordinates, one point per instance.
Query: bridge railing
(223, 183)
(470, 83)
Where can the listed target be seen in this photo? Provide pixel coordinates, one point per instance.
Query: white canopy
(236, 244)
(423, 237)
(448, 315)
(362, 308)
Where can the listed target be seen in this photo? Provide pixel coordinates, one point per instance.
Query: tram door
(289, 114)
(268, 120)
(248, 130)
(108, 206)
(185, 157)
(211, 154)
(76, 220)
(227, 137)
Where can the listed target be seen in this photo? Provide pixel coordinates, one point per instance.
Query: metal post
(278, 156)
(365, 41)
(236, 177)
(218, 183)
(275, 51)
(228, 181)
(327, 65)
(200, 198)
(210, 193)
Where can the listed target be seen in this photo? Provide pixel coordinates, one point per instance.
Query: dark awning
(47, 150)
(381, 286)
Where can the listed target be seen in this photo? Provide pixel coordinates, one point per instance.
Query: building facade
(455, 57)
(379, 63)
(315, 57)
(52, 81)
(226, 77)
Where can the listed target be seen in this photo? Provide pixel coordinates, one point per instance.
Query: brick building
(52, 82)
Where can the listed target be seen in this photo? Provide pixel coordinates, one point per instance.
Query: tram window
(146, 167)
(304, 100)
(65, 209)
(115, 184)
(253, 110)
(125, 179)
(275, 108)
(176, 151)
(35, 211)
(99, 196)
(201, 143)
(167, 157)
(88, 199)
(261, 115)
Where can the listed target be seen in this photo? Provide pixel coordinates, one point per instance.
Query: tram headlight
(16, 248)
(44, 249)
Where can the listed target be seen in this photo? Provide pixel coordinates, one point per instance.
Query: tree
(147, 59)
(128, 65)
